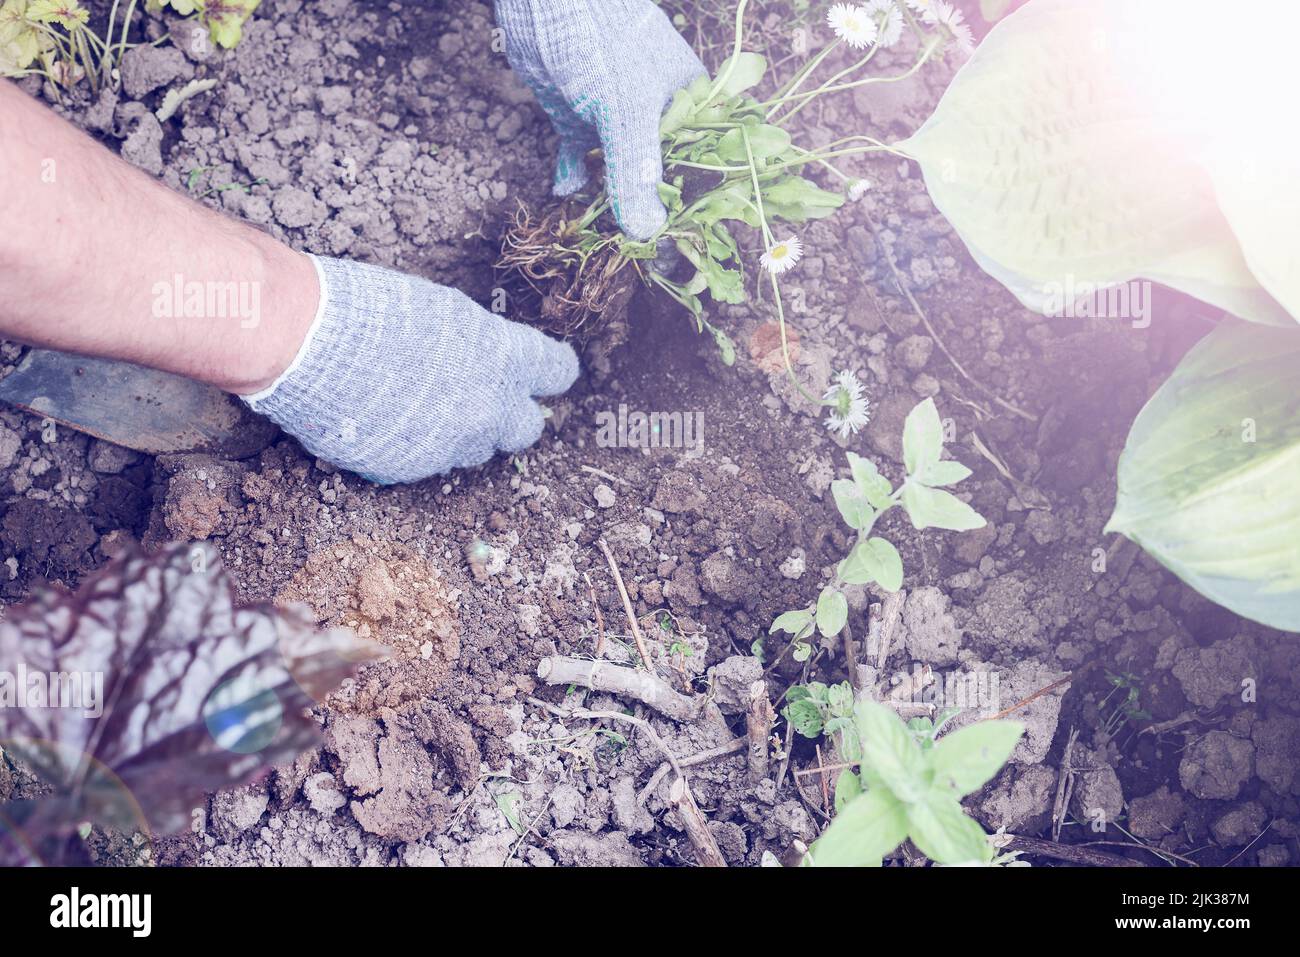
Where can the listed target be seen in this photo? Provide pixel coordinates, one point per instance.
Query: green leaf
(747, 72)
(676, 116)
(805, 717)
(1032, 155)
(863, 832)
(922, 438)
(1208, 479)
(874, 486)
(848, 786)
(764, 141)
(854, 508)
(832, 612)
(670, 196)
(793, 622)
(725, 345)
(798, 200)
(875, 560)
(508, 804)
(946, 472)
(968, 758)
(935, 508)
(940, 828)
(890, 751)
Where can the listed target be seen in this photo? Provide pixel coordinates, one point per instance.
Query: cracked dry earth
(394, 133)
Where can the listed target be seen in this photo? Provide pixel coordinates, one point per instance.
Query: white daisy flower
(925, 9)
(888, 19)
(949, 17)
(783, 256)
(849, 408)
(852, 24)
(857, 189)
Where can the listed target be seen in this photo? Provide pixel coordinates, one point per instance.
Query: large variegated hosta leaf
(1079, 148)
(166, 691)
(1209, 479)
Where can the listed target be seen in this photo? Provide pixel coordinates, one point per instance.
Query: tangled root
(569, 292)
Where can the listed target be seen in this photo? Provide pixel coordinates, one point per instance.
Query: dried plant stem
(650, 690)
(627, 606)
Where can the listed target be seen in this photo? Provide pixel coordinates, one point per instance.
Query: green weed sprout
(224, 19)
(909, 783)
(862, 500)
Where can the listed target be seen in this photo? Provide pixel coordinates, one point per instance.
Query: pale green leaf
(941, 830)
(848, 786)
(968, 758)
(946, 472)
(935, 508)
(765, 142)
(862, 833)
(890, 752)
(854, 508)
(922, 438)
(1208, 479)
(793, 622)
(832, 612)
(1065, 171)
(875, 560)
(747, 72)
(874, 486)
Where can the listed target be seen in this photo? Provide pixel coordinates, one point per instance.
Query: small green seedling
(224, 19)
(862, 500)
(909, 783)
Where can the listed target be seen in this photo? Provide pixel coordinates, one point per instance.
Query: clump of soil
(386, 593)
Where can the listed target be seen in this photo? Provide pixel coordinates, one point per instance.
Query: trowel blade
(142, 409)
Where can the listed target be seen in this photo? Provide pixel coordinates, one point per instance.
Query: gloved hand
(400, 379)
(604, 71)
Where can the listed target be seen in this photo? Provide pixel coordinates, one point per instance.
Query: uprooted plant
(729, 159)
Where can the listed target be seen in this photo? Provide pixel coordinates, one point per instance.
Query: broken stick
(695, 825)
(650, 690)
(758, 727)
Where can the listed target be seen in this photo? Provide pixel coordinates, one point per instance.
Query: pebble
(604, 496)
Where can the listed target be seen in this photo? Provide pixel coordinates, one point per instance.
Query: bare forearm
(98, 258)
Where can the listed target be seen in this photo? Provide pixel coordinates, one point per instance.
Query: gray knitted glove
(400, 379)
(604, 71)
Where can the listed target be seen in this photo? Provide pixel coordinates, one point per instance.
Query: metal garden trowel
(142, 409)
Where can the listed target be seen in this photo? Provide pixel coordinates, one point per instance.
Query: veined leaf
(765, 141)
(746, 73)
(889, 751)
(832, 612)
(1208, 478)
(854, 508)
(946, 472)
(968, 758)
(935, 508)
(922, 438)
(875, 560)
(874, 486)
(863, 832)
(1064, 169)
(940, 828)
(798, 200)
